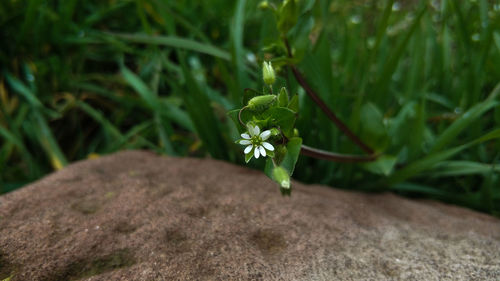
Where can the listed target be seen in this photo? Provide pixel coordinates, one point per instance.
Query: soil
(138, 216)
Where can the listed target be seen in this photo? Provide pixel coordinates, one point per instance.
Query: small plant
(276, 113)
(267, 127)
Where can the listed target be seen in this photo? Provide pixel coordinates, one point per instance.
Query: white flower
(256, 143)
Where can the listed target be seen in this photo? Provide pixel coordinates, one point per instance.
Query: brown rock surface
(138, 216)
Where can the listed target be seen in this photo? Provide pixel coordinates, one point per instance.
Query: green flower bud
(263, 5)
(268, 73)
(261, 102)
(275, 132)
(281, 176)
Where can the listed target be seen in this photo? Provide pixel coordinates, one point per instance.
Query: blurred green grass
(417, 80)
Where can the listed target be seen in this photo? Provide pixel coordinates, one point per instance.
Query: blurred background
(416, 80)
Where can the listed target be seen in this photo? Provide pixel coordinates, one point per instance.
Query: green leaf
(461, 168)
(153, 102)
(391, 64)
(141, 88)
(282, 117)
(383, 23)
(11, 138)
(466, 120)
(25, 92)
(288, 15)
(47, 140)
(134, 132)
(384, 165)
(294, 103)
(233, 114)
(406, 131)
(248, 156)
(42, 131)
(99, 117)
(299, 35)
(429, 161)
(372, 128)
(202, 115)
(237, 48)
(29, 24)
(270, 154)
(424, 189)
(177, 115)
(496, 37)
(293, 151)
(173, 41)
(283, 97)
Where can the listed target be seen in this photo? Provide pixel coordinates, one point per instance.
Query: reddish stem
(322, 105)
(337, 157)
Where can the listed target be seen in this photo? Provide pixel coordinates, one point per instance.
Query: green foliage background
(415, 79)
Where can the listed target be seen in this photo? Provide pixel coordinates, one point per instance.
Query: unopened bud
(268, 73)
(263, 5)
(261, 102)
(275, 132)
(281, 176)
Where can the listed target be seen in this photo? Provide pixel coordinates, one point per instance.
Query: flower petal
(245, 136)
(248, 149)
(245, 142)
(256, 153)
(251, 130)
(256, 130)
(262, 151)
(268, 146)
(265, 135)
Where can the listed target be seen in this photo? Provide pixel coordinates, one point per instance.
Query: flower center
(256, 140)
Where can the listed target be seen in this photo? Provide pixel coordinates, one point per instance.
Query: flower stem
(333, 117)
(336, 157)
(239, 116)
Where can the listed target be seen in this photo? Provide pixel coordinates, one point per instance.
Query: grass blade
(174, 42)
(198, 107)
(466, 120)
(462, 168)
(429, 161)
(237, 47)
(152, 101)
(393, 61)
(99, 118)
(42, 129)
(48, 142)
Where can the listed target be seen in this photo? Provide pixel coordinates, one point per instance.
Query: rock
(137, 216)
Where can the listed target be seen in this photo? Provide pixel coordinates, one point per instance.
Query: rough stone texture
(138, 216)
